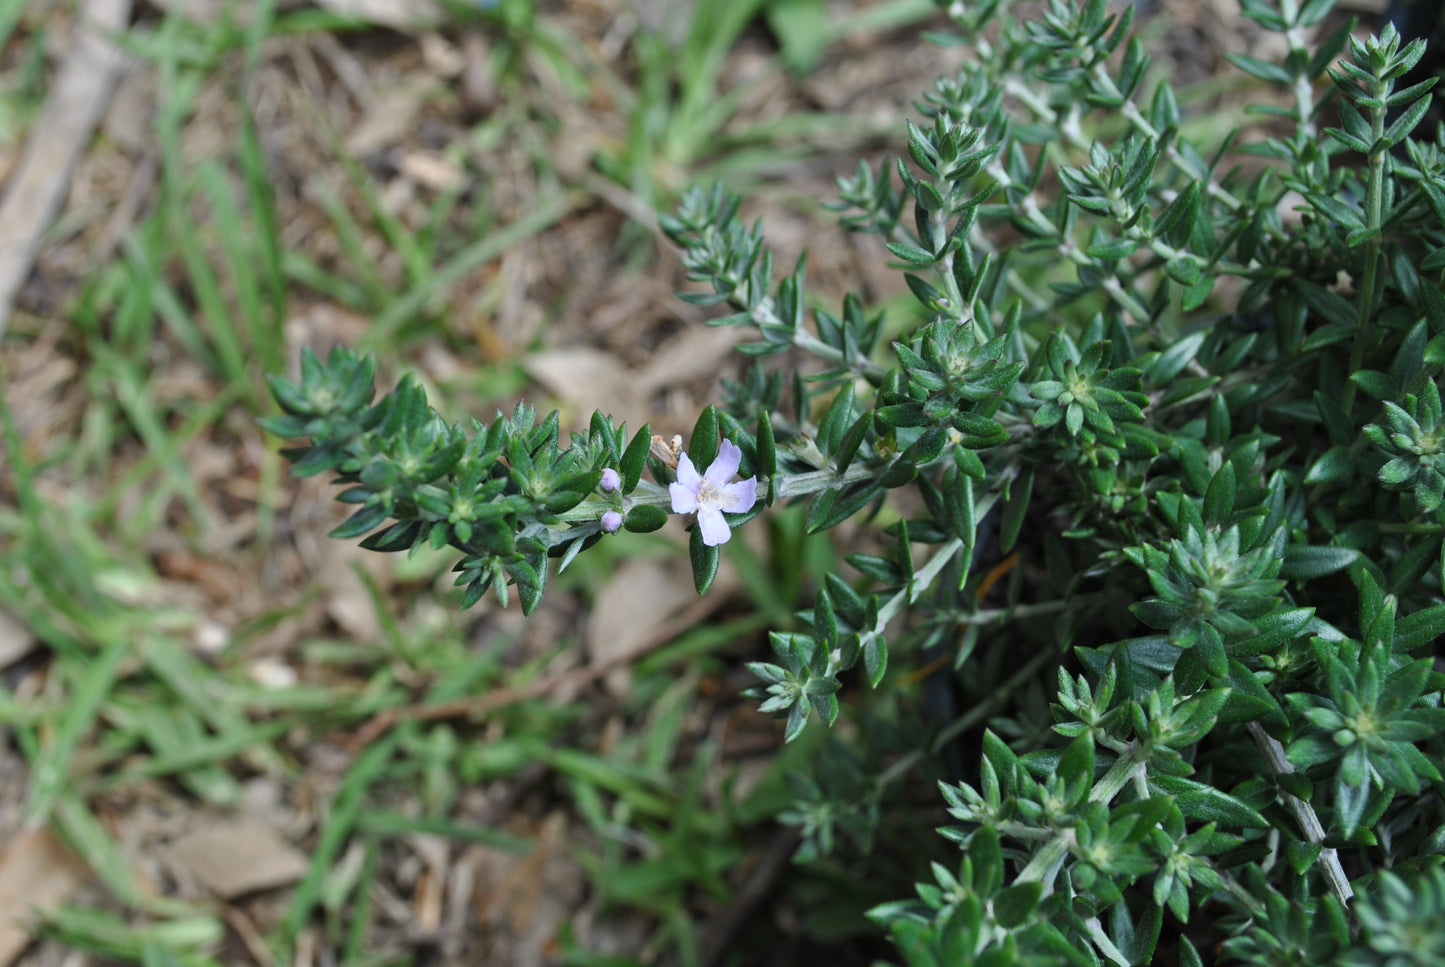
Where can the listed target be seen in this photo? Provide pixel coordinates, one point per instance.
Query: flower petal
(687, 474)
(739, 497)
(715, 530)
(684, 500)
(729, 457)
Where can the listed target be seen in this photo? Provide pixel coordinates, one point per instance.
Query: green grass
(208, 277)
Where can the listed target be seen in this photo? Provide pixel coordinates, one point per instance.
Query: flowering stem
(1125, 768)
(1374, 214)
(1101, 940)
(1125, 299)
(784, 485)
(799, 484)
(763, 314)
(1047, 862)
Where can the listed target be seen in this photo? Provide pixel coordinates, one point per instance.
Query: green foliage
(1199, 401)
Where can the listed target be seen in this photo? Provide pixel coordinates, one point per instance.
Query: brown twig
(719, 934)
(250, 937)
(477, 705)
(40, 182)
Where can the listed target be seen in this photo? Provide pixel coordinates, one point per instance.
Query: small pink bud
(611, 480)
(611, 521)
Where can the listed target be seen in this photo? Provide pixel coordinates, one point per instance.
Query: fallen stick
(477, 705)
(38, 187)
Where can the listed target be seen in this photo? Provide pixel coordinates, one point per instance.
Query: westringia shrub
(1181, 393)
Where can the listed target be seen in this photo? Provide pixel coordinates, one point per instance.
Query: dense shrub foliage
(1164, 432)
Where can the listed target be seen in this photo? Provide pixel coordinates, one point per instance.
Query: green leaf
(830, 507)
(1434, 300)
(852, 440)
(1113, 249)
(1328, 335)
(1375, 383)
(926, 448)
(1302, 855)
(1020, 490)
(1303, 562)
(1351, 799)
(1405, 123)
(1413, 565)
(704, 560)
(1219, 498)
(797, 720)
(836, 419)
(767, 452)
(927, 296)
(802, 31)
(1435, 348)
(1076, 767)
(1249, 700)
(1176, 224)
(362, 521)
(1336, 210)
(1171, 362)
(969, 463)
(1183, 269)
(875, 659)
(1206, 804)
(1209, 649)
(1138, 943)
(702, 447)
(1330, 305)
(1014, 904)
(634, 459)
(1332, 465)
(1419, 628)
(1339, 425)
(911, 254)
(645, 518)
(1262, 69)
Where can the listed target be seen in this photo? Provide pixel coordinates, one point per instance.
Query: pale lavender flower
(710, 494)
(611, 521)
(611, 480)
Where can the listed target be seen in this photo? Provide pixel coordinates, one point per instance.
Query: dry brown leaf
(233, 857)
(431, 171)
(16, 641)
(635, 601)
(348, 600)
(522, 901)
(588, 379)
(36, 871)
(321, 326)
(697, 353)
(390, 116)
